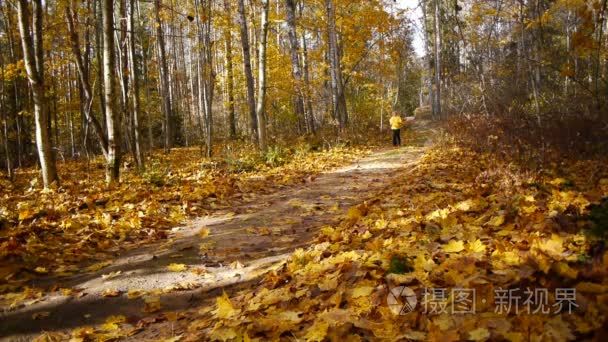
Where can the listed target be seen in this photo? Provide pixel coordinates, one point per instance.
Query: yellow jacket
(396, 122)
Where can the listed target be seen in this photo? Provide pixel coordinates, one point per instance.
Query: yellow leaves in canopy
(454, 246)
(177, 267)
(224, 308)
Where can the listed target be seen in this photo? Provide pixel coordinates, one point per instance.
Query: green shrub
(598, 216)
(155, 175)
(276, 156)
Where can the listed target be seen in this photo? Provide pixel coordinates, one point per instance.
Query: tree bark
(296, 71)
(262, 77)
(310, 117)
(437, 48)
(164, 79)
(34, 66)
(206, 73)
(229, 71)
(83, 77)
(134, 75)
(109, 74)
(339, 99)
(247, 70)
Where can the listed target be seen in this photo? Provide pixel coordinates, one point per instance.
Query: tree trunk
(290, 7)
(437, 48)
(339, 99)
(83, 76)
(34, 66)
(206, 73)
(112, 117)
(229, 71)
(134, 75)
(164, 79)
(262, 77)
(247, 70)
(310, 117)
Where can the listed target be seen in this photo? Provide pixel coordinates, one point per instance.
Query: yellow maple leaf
(177, 267)
(553, 247)
(454, 246)
(317, 331)
(479, 334)
(110, 293)
(135, 293)
(203, 233)
(362, 291)
(152, 304)
(41, 270)
(224, 307)
(497, 221)
(477, 246)
(223, 334)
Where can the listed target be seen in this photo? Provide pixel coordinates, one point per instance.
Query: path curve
(241, 246)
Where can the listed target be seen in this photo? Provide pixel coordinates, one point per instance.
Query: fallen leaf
(110, 293)
(40, 315)
(479, 334)
(177, 267)
(454, 246)
(224, 308)
(152, 304)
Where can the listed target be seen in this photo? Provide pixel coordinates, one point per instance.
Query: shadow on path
(239, 249)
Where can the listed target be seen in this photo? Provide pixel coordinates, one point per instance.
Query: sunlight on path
(212, 252)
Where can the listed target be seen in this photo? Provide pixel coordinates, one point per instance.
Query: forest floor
(222, 251)
(432, 241)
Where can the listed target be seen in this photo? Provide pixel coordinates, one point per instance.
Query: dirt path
(241, 246)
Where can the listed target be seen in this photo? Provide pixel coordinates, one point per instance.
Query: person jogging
(396, 124)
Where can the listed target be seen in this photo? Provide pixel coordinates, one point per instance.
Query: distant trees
(524, 56)
(125, 76)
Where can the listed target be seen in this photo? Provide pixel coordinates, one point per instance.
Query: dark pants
(396, 137)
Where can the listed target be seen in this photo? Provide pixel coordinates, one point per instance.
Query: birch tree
(33, 55)
(248, 71)
(109, 75)
(261, 102)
